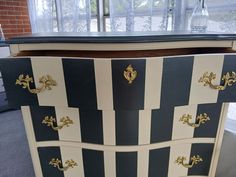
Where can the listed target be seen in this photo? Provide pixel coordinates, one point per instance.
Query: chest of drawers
(148, 110)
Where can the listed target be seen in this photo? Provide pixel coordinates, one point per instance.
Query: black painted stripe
(11, 69)
(176, 81)
(205, 152)
(128, 96)
(45, 156)
(80, 83)
(126, 164)
(42, 131)
(159, 162)
(93, 163)
(228, 95)
(161, 124)
(209, 129)
(91, 126)
(127, 123)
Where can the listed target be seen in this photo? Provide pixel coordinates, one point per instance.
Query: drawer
(120, 84)
(190, 160)
(184, 122)
(122, 127)
(174, 161)
(84, 83)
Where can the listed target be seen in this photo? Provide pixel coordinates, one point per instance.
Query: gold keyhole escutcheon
(130, 74)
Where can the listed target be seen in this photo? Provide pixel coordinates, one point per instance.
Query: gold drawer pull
(194, 161)
(201, 119)
(130, 74)
(46, 83)
(49, 121)
(229, 78)
(58, 164)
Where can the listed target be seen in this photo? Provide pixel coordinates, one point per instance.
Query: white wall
(4, 52)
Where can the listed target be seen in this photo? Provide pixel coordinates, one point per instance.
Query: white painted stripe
(52, 66)
(125, 148)
(124, 46)
(110, 163)
(25, 110)
(72, 132)
(144, 126)
(180, 130)
(234, 45)
(153, 83)
(68, 153)
(143, 163)
(197, 176)
(109, 137)
(176, 170)
(103, 77)
(218, 143)
(200, 94)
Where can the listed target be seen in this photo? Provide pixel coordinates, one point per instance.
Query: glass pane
(106, 7)
(75, 15)
(222, 15)
(93, 7)
(43, 16)
(108, 25)
(94, 25)
(62, 15)
(138, 15)
(118, 24)
(211, 3)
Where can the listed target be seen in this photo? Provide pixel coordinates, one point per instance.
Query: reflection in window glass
(62, 15)
(127, 15)
(222, 15)
(138, 15)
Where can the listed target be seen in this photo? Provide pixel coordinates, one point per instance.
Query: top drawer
(107, 84)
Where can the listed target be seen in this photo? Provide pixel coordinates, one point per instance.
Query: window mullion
(100, 15)
(59, 15)
(179, 15)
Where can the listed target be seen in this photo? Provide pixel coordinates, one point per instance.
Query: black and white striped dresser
(136, 109)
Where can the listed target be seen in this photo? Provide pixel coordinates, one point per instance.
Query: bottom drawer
(174, 161)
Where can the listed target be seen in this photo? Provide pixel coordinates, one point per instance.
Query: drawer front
(182, 163)
(10, 70)
(183, 122)
(120, 84)
(175, 161)
(132, 127)
(83, 83)
(62, 162)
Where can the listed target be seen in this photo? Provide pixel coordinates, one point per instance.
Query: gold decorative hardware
(201, 119)
(46, 83)
(49, 121)
(228, 80)
(130, 74)
(58, 164)
(194, 161)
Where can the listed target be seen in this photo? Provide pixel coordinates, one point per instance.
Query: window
(63, 15)
(222, 15)
(126, 15)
